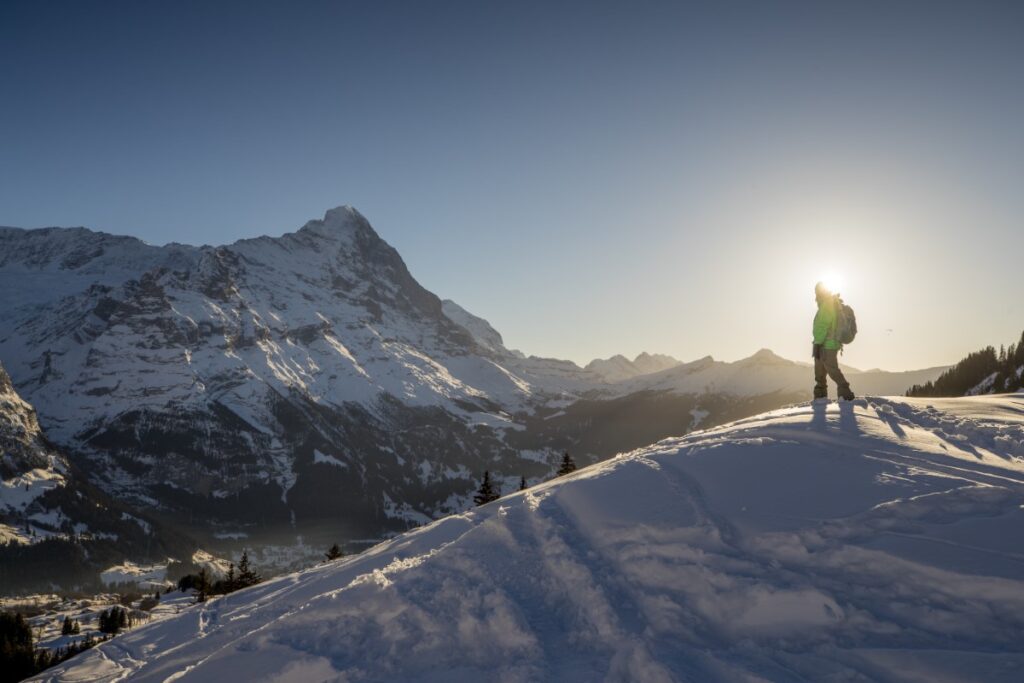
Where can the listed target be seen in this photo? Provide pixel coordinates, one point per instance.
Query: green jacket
(825, 324)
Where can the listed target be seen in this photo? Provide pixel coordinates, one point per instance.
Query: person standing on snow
(826, 347)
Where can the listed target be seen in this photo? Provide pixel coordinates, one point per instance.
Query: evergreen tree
(962, 377)
(522, 483)
(43, 660)
(986, 371)
(487, 491)
(568, 465)
(230, 581)
(247, 576)
(16, 654)
(68, 627)
(189, 581)
(202, 585)
(113, 620)
(333, 553)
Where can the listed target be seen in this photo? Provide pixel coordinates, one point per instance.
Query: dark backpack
(846, 322)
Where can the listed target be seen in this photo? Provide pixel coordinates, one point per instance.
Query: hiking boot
(847, 395)
(820, 393)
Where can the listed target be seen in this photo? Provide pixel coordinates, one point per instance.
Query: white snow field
(876, 541)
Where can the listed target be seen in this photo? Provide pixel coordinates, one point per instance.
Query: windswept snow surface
(874, 541)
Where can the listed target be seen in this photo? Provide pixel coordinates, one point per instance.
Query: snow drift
(879, 540)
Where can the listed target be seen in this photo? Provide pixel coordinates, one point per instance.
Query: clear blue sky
(593, 178)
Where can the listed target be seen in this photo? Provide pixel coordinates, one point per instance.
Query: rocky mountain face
(283, 385)
(55, 528)
(275, 380)
(22, 447)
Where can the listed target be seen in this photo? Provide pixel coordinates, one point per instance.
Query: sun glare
(833, 280)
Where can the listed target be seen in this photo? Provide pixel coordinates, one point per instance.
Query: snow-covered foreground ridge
(875, 541)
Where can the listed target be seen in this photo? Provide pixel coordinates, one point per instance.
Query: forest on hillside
(983, 372)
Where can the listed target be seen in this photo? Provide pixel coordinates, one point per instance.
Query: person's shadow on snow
(847, 420)
(818, 418)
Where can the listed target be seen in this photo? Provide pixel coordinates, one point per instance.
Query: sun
(833, 280)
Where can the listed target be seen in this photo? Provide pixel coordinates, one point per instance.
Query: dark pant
(828, 364)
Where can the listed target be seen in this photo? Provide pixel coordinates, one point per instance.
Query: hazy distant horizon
(591, 178)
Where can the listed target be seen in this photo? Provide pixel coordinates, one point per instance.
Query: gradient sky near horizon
(591, 177)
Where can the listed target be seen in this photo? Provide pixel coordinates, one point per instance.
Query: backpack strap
(837, 307)
(835, 318)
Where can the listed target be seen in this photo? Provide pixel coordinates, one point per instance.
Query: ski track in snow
(875, 541)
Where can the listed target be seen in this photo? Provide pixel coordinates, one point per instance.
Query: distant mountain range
(619, 368)
(307, 384)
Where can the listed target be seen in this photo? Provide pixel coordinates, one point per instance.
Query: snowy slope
(875, 541)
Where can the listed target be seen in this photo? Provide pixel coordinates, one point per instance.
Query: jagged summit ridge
(619, 368)
(344, 218)
(241, 362)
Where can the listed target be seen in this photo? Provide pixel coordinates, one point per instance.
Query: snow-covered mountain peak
(317, 340)
(337, 222)
(648, 363)
(764, 356)
(619, 368)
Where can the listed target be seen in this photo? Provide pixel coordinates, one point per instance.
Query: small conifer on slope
(568, 465)
(487, 492)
